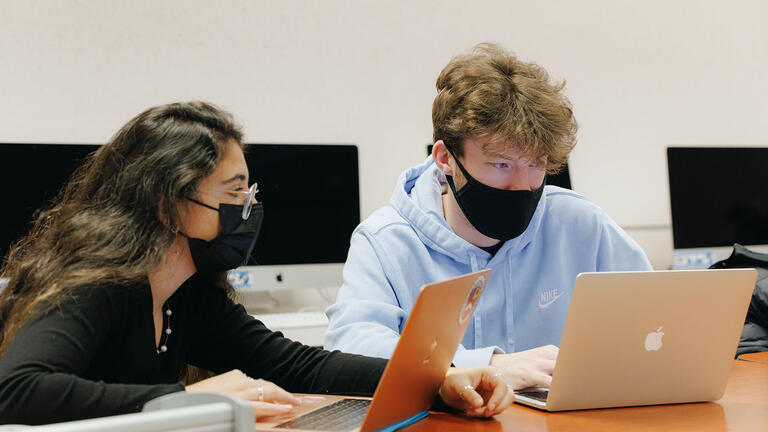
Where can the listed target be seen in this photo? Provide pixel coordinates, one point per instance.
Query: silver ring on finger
(260, 390)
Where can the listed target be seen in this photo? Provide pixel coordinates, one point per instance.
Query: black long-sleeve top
(95, 354)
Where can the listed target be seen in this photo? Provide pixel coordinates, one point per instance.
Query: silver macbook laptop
(647, 338)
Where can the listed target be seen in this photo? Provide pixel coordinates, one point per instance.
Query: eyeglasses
(249, 197)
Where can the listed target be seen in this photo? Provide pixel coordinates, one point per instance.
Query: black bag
(754, 337)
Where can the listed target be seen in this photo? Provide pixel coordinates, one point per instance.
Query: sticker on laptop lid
(471, 302)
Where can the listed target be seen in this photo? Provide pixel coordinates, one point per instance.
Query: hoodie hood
(418, 199)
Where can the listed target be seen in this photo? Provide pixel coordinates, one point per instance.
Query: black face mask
(232, 247)
(497, 213)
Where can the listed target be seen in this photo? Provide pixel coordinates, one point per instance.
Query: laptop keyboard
(539, 395)
(341, 416)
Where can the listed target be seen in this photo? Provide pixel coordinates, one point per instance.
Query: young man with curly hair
(480, 201)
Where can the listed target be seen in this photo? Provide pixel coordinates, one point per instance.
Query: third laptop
(646, 338)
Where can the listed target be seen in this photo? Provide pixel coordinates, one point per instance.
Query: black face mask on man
(497, 213)
(232, 247)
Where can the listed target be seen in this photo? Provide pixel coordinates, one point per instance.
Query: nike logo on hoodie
(548, 297)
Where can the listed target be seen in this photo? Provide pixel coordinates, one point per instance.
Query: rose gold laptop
(413, 375)
(647, 338)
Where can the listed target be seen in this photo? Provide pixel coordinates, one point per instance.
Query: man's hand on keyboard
(479, 391)
(528, 368)
(267, 398)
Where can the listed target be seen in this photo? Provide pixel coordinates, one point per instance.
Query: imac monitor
(311, 200)
(718, 197)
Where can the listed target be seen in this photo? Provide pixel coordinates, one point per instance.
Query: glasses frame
(250, 196)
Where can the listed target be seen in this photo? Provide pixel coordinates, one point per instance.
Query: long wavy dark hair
(116, 217)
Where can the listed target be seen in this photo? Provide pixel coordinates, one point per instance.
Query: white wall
(641, 76)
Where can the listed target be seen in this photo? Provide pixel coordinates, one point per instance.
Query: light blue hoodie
(408, 244)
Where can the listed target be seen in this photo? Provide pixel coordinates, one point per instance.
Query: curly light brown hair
(488, 92)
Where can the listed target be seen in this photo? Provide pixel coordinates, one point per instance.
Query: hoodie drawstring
(510, 310)
(476, 316)
(473, 261)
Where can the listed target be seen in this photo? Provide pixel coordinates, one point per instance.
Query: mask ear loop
(176, 230)
(202, 204)
(467, 176)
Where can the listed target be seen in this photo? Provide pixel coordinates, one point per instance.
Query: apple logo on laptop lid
(653, 340)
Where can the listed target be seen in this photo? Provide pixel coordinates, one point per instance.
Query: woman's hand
(267, 398)
(479, 391)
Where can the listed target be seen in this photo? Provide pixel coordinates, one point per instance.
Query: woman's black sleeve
(232, 339)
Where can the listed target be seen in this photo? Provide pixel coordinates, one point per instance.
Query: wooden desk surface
(755, 357)
(744, 407)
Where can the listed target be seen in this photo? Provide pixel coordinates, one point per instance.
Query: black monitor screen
(310, 195)
(311, 202)
(719, 196)
(31, 176)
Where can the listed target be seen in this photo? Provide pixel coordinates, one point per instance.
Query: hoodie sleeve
(465, 358)
(367, 317)
(228, 338)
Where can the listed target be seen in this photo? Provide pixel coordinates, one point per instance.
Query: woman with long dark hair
(119, 287)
